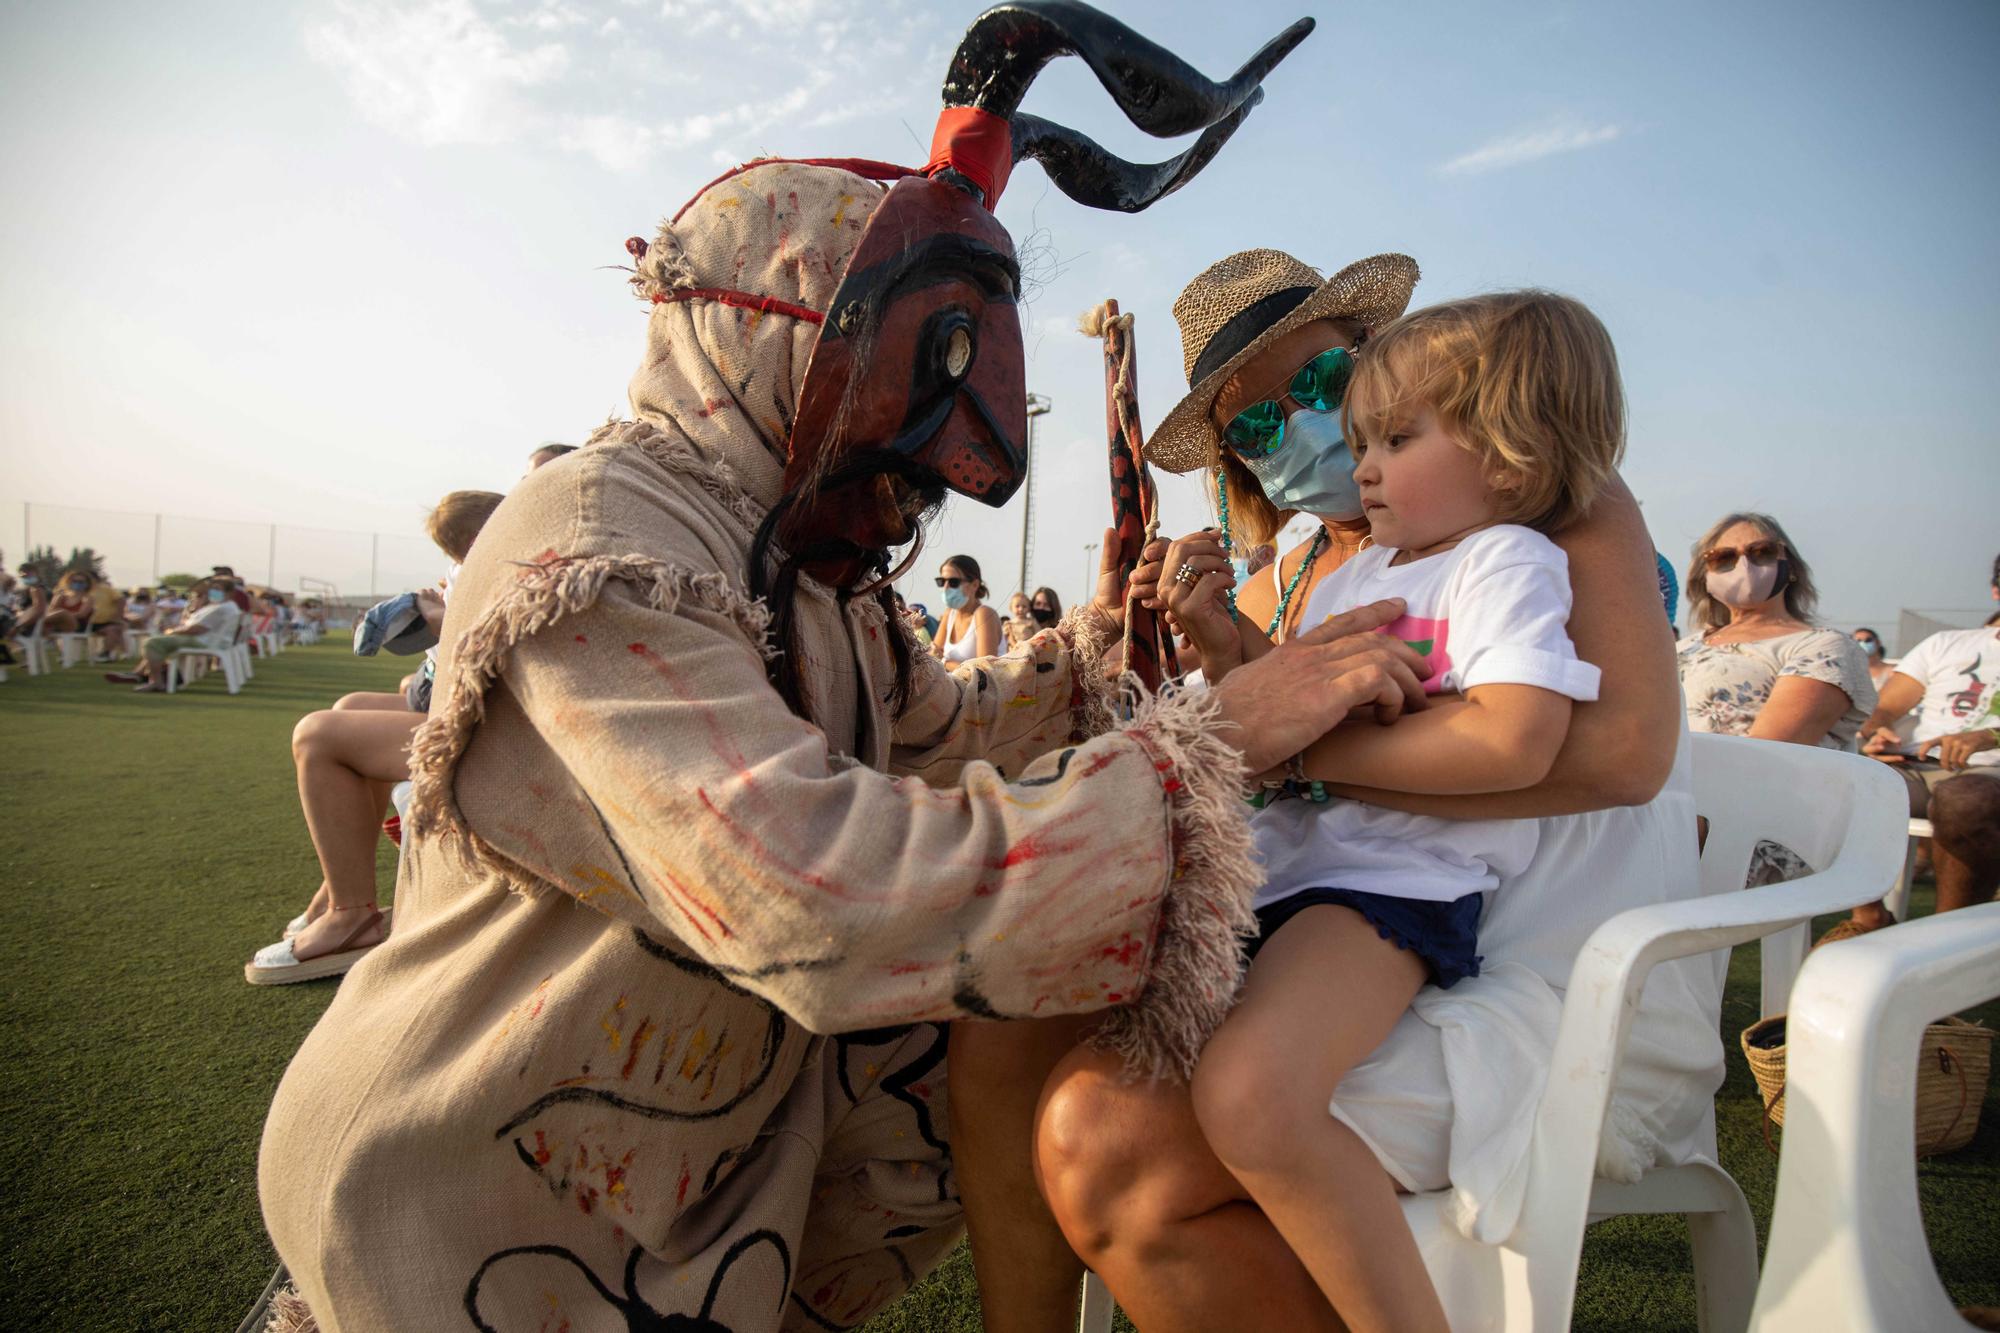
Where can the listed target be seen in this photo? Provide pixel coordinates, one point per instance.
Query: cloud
(1513, 150)
(568, 76)
(437, 71)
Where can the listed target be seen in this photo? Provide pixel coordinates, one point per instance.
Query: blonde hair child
(1475, 426)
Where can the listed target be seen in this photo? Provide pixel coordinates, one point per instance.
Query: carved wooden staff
(1135, 502)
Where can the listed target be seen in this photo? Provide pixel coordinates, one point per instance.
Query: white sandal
(279, 965)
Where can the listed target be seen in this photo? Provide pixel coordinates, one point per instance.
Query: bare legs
(1143, 1198)
(1965, 842)
(347, 759)
(1028, 1275)
(1260, 1096)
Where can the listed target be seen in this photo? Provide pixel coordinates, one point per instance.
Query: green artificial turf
(149, 845)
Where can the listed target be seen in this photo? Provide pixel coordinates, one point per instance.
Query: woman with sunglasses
(1268, 346)
(1756, 665)
(970, 628)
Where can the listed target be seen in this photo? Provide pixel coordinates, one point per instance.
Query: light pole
(1089, 569)
(1038, 405)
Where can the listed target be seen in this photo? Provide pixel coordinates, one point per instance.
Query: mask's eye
(958, 353)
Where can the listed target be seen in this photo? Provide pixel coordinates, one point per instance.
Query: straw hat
(1239, 305)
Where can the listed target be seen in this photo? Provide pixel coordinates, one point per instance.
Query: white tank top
(962, 649)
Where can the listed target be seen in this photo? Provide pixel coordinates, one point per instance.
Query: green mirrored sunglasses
(1319, 385)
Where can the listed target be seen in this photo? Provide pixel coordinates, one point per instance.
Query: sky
(313, 265)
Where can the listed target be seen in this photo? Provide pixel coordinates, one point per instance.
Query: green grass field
(150, 845)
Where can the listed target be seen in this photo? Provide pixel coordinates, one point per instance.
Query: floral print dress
(1726, 686)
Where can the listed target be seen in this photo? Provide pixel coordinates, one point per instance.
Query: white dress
(1448, 1098)
(965, 647)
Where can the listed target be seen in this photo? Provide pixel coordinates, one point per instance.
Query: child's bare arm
(1503, 738)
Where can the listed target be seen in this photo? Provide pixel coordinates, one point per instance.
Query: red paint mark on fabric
(681, 1190)
(581, 639)
(1098, 764)
(541, 1148)
(1115, 997)
(638, 648)
(639, 1040)
(1126, 953)
(711, 406)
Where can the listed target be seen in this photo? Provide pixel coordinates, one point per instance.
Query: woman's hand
(1274, 707)
(1153, 571)
(1195, 604)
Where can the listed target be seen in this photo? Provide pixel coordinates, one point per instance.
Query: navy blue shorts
(1444, 935)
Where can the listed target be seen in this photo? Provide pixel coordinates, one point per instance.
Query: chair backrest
(1752, 791)
(1847, 1247)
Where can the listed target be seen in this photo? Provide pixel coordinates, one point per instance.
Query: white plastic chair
(1898, 901)
(34, 653)
(1838, 811)
(1847, 1248)
(71, 647)
(233, 659)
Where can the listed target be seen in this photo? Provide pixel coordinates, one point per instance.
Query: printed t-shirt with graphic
(1959, 670)
(1493, 610)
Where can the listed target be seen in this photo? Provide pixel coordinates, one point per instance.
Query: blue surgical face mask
(1313, 471)
(217, 595)
(1240, 566)
(955, 598)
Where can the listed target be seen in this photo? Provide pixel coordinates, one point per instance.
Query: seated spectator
(970, 628)
(70, 604)
(1879, 670)
(930, 621)
(211, 625)
(348, 758)
(915, 617)
(237, 592)
(107, 617)
(139, 611)
(169, 606)
(8, 589)
(1756, 665)
(1951, 763)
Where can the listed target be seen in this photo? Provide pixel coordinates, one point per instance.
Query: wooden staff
(1135, 502)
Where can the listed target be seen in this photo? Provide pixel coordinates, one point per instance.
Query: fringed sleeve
(1113, 872)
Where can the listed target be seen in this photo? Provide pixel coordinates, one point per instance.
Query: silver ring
(1187, 573)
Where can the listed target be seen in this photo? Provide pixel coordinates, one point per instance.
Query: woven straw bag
(1953, 1068)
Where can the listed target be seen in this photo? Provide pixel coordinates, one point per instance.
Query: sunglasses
(1258, 431)
(950, 583)
(1722, 559)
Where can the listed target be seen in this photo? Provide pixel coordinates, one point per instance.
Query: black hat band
(1244, 328)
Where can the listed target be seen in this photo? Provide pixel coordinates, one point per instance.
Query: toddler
(1476, 426)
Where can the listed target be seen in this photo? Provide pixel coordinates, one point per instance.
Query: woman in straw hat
(1130, 1178)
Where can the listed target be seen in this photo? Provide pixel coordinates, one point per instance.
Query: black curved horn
(1084, 171)
(1008, 45)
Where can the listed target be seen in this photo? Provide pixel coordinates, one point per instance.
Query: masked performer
(701, 851)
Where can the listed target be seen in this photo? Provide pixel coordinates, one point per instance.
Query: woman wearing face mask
(1755, 665)
(209, 623)
(69, 609)
(1123, 1167)
(1045, 607)
(970, 628)
(1879, 669)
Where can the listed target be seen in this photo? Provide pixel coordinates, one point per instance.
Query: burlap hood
(724, 376)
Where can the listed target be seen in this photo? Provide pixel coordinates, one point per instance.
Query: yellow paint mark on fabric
(840, 215)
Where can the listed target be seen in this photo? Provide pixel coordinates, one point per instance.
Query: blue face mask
(216, 595)
(1312, 471)
(955, 598)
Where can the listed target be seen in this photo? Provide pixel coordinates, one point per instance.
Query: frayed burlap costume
(584, 1085)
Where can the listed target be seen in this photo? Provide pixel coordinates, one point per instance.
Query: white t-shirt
(215, 624)
(1493, 610)
(1959, 670)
